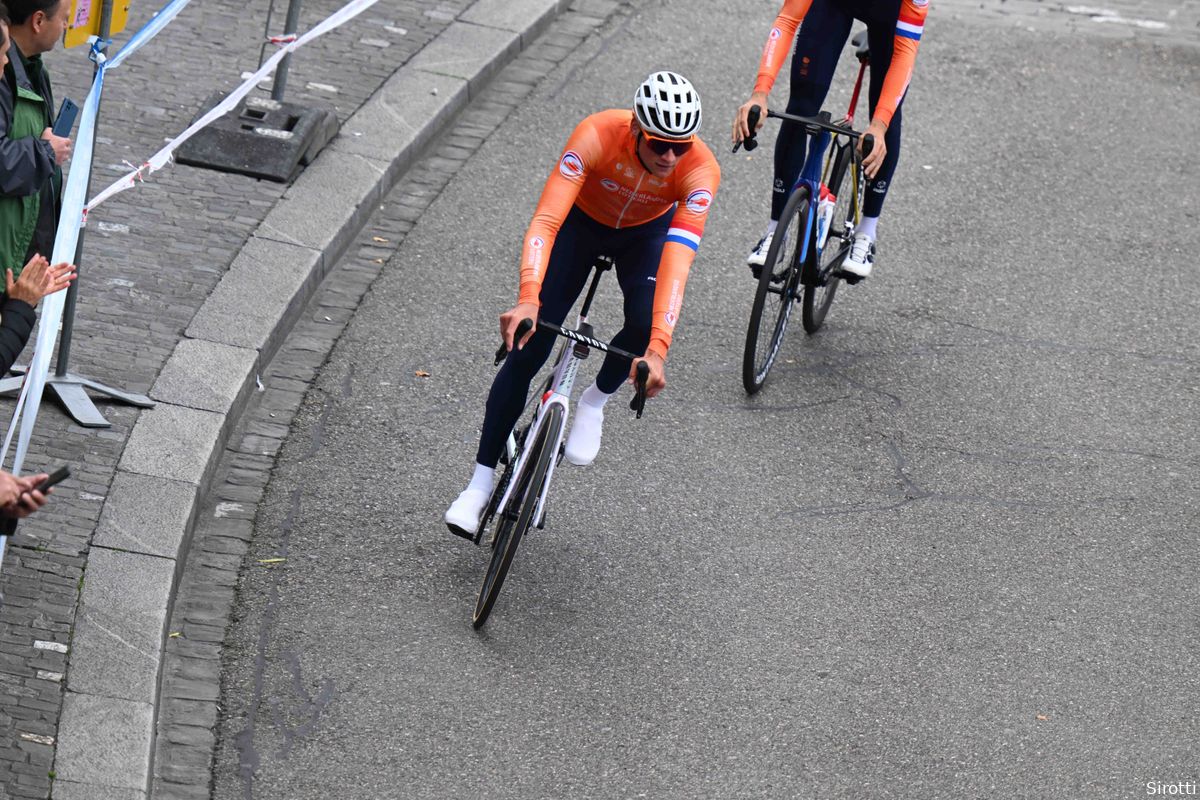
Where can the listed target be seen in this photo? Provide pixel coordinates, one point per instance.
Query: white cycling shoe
(583, 443)
(861, 258)
(758, 256)
(462, 517)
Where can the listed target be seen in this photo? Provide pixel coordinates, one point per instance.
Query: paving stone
(144, 514)
(116, 649)
(69, 790)
(528, 18)
(400, 119)
(259, 290)
(104, 742)
(206, 375)
(467, 51)
(336, 179)
(173, 442)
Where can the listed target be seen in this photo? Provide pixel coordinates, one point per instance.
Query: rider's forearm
(909, 28)
(779, 43)
(668, 295)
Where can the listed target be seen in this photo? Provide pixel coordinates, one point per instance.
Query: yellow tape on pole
(84, 20)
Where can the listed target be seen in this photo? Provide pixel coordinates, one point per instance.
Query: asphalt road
(948, 552)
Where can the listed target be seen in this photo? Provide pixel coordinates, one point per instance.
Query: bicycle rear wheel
(820, 287)
(513, 521)
(777, 287)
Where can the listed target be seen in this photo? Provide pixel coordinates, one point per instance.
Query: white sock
(593, 397)
(482, 478)
(867, 227)
(771, 226)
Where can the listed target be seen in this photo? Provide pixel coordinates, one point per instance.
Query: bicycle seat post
(603, 263)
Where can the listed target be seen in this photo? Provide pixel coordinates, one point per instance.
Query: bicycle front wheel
(820, 288)
(513, 521)
(777, 287)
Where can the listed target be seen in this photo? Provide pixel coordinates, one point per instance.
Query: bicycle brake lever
(638, 403)
(522, 329)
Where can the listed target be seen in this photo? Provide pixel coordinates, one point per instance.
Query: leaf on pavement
(422, 373)
(271, 560)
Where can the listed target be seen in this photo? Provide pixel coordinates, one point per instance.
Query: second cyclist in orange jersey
(820, 29)
(635, 185)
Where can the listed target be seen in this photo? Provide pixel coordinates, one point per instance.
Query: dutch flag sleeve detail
(910, 25)
(687, 236)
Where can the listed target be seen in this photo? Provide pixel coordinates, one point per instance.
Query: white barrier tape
(74, 213)
(148, 31)
(164, 156)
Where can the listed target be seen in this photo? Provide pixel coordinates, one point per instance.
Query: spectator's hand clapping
(37, 280)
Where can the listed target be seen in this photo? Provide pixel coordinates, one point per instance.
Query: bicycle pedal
(849, 277)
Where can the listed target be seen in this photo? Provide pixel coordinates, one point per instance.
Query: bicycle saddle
(862, 48)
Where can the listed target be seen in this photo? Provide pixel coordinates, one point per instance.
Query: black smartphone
(58, 476)
(66, 118)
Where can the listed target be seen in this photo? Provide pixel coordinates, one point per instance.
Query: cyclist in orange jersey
(894, 29)
(635, 185)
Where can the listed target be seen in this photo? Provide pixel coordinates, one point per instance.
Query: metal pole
(68, 321)
(289, 27)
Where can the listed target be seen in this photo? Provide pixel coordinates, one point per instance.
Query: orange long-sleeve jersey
(600, 172)
(909, 26)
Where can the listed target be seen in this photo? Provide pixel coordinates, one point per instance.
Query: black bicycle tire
(754, 376)
(510, 532)
(821, 288)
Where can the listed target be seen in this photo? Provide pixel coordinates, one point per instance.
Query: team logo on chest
(610, 184)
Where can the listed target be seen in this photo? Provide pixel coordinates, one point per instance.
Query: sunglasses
(662, 146)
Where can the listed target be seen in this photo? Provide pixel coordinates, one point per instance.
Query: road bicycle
(531, 454)
(812, 239)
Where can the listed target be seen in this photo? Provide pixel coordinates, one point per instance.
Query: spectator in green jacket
(35, 281)
(31, 156)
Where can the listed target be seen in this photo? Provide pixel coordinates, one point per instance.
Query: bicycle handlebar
(811, 124)
(638, 403)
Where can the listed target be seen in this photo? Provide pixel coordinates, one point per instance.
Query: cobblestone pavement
(145, 274)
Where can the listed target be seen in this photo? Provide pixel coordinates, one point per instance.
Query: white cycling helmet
(668, 106)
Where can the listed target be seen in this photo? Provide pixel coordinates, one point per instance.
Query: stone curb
(107, 730)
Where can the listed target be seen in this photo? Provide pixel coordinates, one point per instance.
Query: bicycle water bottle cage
(582, 350)
(862, 47)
